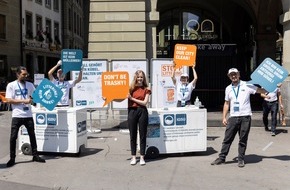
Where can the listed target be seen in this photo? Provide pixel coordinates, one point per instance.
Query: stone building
(228, 33)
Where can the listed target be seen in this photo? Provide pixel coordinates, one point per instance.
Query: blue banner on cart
(47, 94)
(71, 60)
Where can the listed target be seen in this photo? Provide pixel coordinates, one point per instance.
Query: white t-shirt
(272, 95)
(184, 91)
(19, 91)
(239, 98)
(64, 86)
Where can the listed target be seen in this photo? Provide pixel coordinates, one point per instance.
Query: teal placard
(71, 60)
(47, 94)
(268, 75)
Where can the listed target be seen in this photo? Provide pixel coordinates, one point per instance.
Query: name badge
(25, 108)
(236, 106)
(182, 103)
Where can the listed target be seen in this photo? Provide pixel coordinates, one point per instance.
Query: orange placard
(115, 85)
(184, 55)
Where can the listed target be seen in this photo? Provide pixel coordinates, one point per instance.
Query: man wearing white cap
(237, 99)
(184, 88)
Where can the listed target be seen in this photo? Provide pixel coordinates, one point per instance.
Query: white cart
(62, 130)
(176, 130)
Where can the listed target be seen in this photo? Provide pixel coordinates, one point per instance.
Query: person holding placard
(61, 83)
(18, 94)
(270, 104)
(237, 100)
(138, 98)
(184, 88)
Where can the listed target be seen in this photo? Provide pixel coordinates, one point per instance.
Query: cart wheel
(152, 152)
(81, 149)
(26, 149)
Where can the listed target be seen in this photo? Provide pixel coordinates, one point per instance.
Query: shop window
(2, 26)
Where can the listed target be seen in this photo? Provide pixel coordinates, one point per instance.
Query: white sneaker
(142, 162)
(133, 161)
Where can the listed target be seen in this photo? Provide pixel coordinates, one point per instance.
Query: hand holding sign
(71, 60)
(47, 94)
(184, 55)
(115, 85)
(269, 74)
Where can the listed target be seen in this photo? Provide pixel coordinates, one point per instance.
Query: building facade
(228, 33)
(10, 46)
(41, 34)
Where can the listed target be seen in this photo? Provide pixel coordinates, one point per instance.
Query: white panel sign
(163, 89)
(88, 92)
(131, 66)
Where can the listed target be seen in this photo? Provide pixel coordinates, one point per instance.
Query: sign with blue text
(47, 94)
(71, 60)
(268, 75)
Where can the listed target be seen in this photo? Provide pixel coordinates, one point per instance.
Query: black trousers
(16, 124)
(240, 125)
(138, 117)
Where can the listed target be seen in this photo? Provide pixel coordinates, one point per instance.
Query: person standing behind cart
(63, 84)
(138, 98)
(237, 99)
(18, 94)
(184, 88)
(270, 104)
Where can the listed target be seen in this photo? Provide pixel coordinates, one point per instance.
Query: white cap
(233, 70)
(184, 75)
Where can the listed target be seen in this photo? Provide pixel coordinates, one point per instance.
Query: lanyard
(183, 89)
(236, 93)
(23, 93)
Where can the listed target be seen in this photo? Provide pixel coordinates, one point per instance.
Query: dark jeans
(273, 108)
(240, 125)
(16, 124)
(138, 116)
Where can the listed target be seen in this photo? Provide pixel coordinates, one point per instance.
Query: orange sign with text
(184, 55)
(115, 85)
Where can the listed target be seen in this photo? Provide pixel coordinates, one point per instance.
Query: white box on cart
(62, 130)
(176, 130)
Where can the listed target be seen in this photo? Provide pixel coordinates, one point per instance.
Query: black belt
(271, 102)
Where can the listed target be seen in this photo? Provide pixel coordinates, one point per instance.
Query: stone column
(285, 21)
(152, 19)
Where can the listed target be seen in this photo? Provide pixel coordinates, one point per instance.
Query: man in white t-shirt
(61, 83)
(271, 104)
(184, 88)
(18, 94)
(237, 99)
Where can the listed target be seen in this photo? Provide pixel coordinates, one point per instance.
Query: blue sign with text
(71, 60)
(47, 94)
(268, 75)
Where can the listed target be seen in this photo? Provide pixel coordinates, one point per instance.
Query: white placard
(88, 92)
(131, 66)
(38, 78)
(163, 90)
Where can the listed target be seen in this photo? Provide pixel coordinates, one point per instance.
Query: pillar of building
(285, 21)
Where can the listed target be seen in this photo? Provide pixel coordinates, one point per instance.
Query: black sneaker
(10, 163)
(218, 161)
(267, 129)
(38, 159)
(241, 163)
